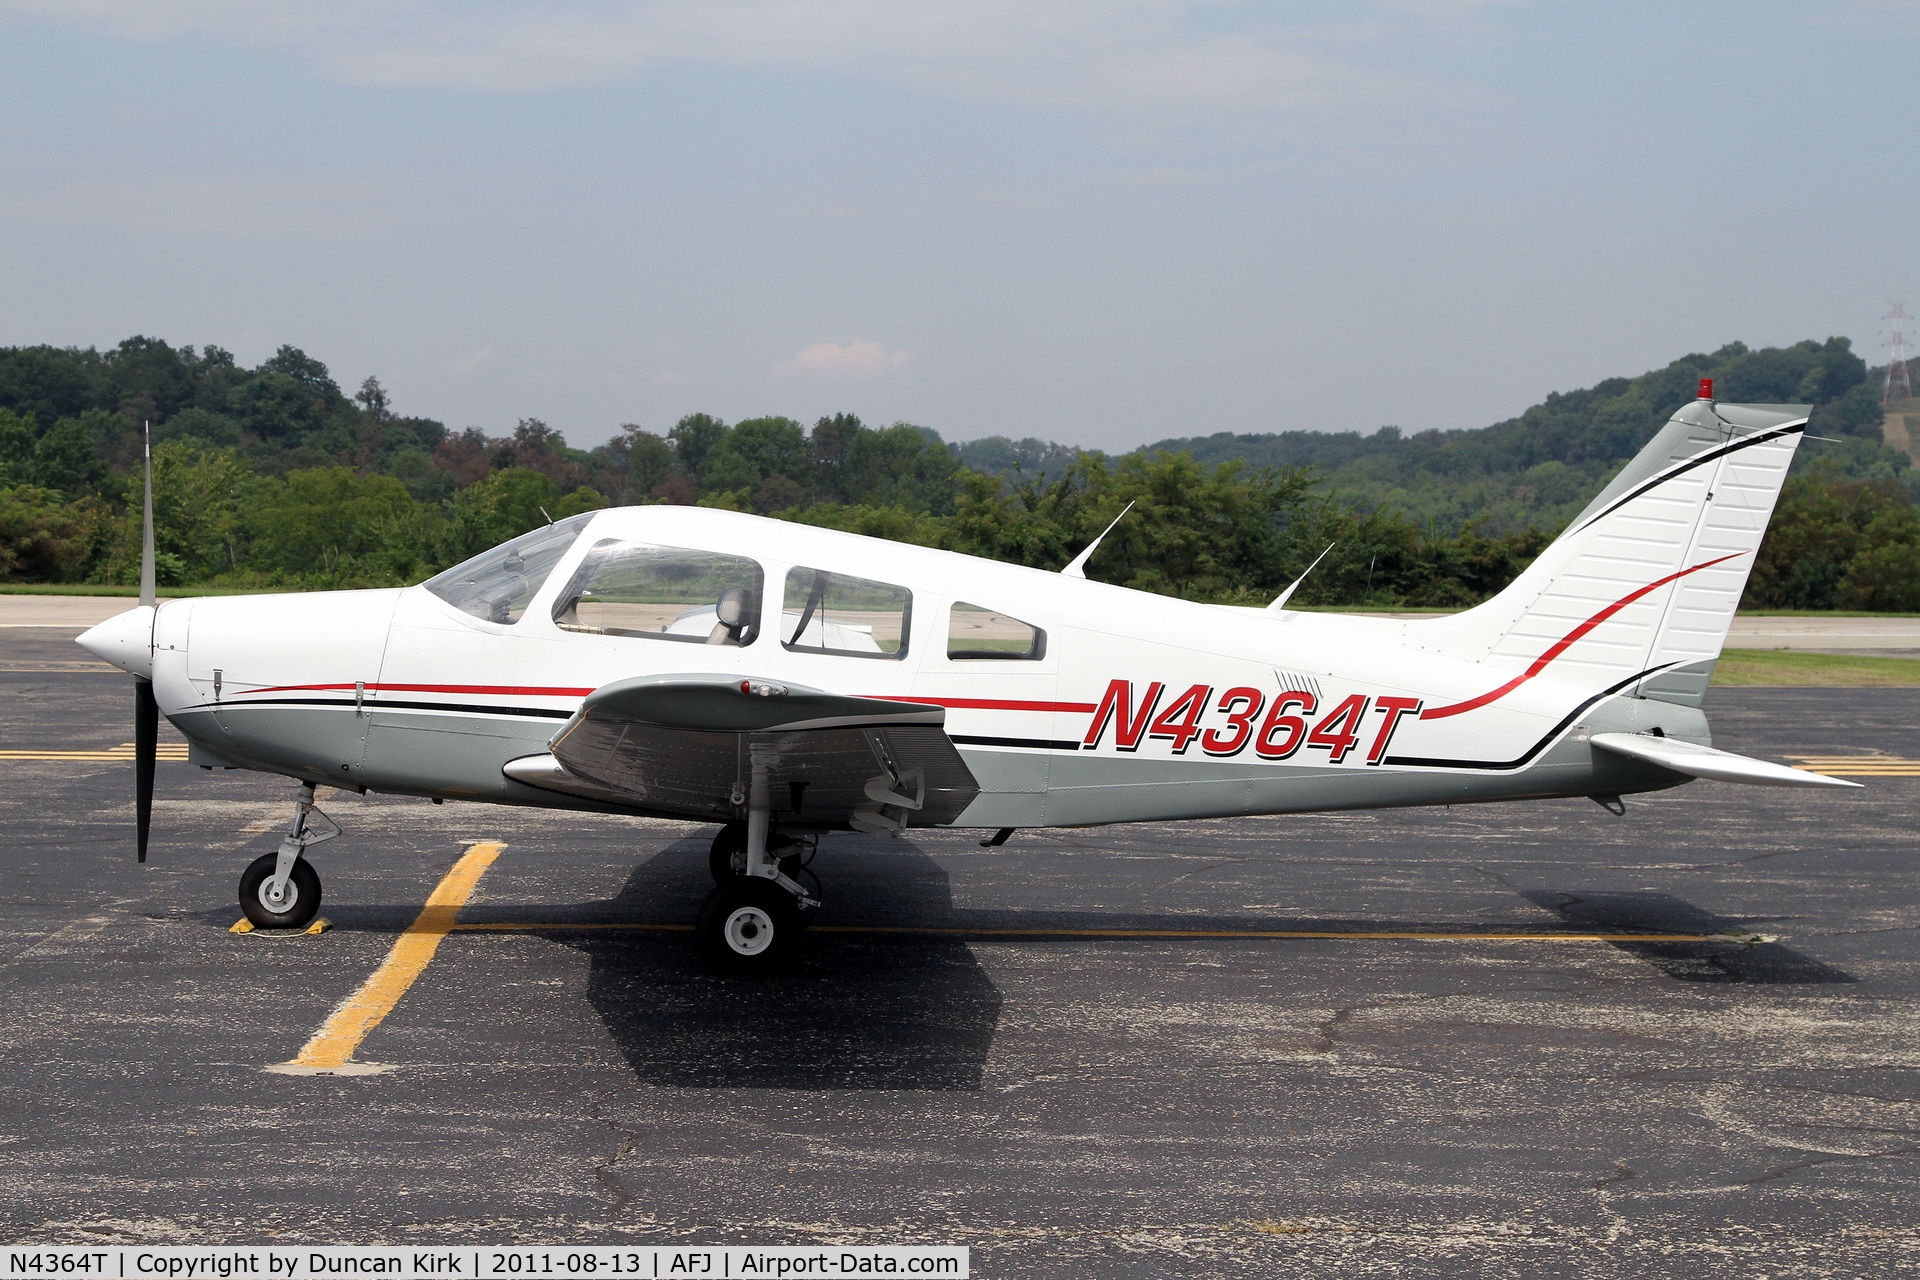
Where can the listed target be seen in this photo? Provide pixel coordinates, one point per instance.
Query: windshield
(496, 585)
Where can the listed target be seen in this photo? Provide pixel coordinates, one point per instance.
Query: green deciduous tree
(42, 538)
(333, 524)
(64, 459)
(693, 437)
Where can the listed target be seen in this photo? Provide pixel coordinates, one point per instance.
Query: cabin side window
(975, 631)
(651, 592)
(826, 612)
(497, 585)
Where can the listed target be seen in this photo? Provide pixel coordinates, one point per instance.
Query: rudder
(1645, 581)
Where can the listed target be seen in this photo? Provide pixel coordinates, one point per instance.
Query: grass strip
(1796, 667)
(131, 593)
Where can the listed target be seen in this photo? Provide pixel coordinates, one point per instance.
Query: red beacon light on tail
(1706, 388)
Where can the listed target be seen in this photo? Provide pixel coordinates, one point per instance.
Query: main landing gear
(281, 890)
(750, 923)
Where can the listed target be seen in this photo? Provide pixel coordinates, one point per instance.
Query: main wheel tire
(748, 928)
(727, 858)
(300, 904)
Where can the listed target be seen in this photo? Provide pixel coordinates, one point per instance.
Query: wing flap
(1706, 762)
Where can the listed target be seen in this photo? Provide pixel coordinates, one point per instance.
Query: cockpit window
(662, 593)
(975, 631)
(496, 585)
(838, 613)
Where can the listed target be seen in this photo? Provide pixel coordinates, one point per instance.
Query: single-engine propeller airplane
(785, 682)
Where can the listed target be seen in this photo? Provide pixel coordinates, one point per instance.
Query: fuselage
(1085, 703)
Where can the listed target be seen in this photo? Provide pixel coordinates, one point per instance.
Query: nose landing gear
(281, 890)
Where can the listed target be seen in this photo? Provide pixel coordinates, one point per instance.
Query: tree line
(273, 477)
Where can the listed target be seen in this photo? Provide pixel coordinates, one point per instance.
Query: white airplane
(787, 682)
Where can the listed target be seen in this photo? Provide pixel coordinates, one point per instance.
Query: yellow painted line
(1329, 935)
(168, 751)
(75, 757)
(1860, 766)
(332, 1047)
(542, 928)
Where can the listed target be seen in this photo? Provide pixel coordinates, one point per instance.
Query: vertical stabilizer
(1645, 581)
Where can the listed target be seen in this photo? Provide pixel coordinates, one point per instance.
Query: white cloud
(857, 359)
(473, 360)
(1138, 56)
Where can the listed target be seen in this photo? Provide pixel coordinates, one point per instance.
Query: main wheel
(748, 927)
(297, 905)
(728, 857)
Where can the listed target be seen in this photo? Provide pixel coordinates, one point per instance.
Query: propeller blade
(146, 711)
(146, 524)
(146, 746)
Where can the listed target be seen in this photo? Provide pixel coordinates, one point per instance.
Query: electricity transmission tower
(1899, 384)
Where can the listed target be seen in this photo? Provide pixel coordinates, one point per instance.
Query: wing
(679, 745)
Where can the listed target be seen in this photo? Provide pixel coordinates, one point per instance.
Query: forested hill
(1537, 470)
(275, 477)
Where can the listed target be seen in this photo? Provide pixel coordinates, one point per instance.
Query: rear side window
(662, 593)
(497, 585)
(975, 631)
(827, 612)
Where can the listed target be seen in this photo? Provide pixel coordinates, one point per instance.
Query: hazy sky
(1102, 223)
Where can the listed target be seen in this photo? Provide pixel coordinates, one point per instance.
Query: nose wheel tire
(294, 908)
(748, 928)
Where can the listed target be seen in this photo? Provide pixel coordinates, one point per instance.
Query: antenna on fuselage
(1280, 601)
(1078, 569)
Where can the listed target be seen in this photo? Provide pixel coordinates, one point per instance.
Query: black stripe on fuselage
(1700, 461)
(1421, 762)
(384, 704)
(1041, 744)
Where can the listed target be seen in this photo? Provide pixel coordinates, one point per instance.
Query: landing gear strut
(728, 856)
(281, 890)
(750, 922)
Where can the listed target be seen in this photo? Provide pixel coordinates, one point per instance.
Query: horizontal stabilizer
(1705, 762)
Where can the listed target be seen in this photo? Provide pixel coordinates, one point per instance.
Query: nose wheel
(273, 904)
(281, 890)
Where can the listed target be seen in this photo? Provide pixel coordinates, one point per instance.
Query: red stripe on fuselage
(1564, 643)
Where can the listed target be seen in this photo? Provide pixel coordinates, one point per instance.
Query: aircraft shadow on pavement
(1647, 912)
(857, 1012)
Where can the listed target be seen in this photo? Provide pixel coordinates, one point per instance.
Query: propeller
(146, 740)
(146, 711)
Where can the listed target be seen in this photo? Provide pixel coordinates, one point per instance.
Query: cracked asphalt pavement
(1067, 1106)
